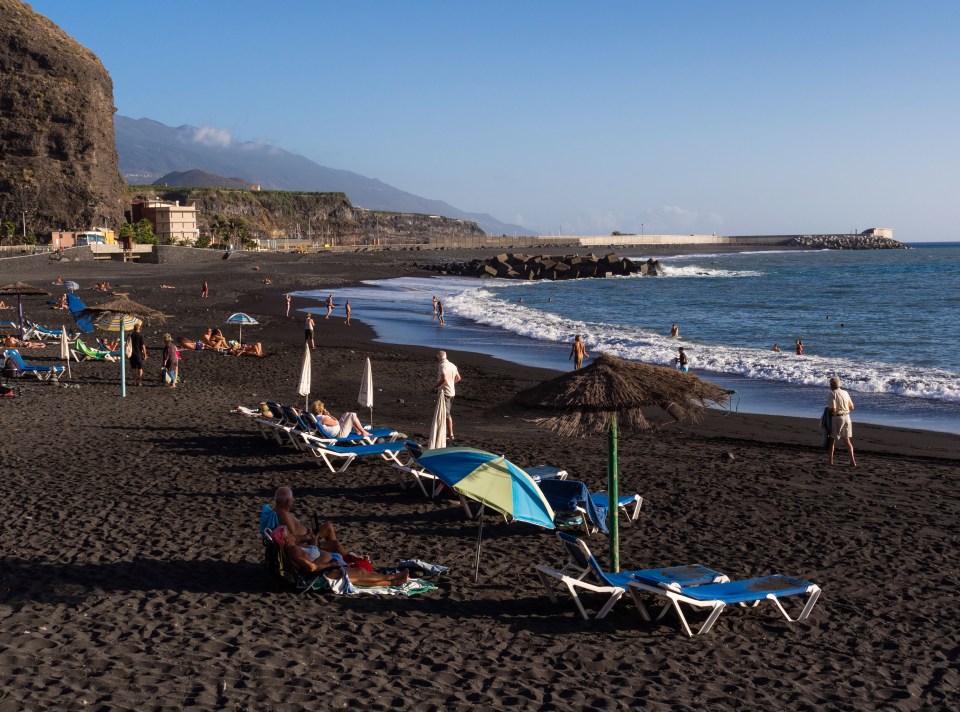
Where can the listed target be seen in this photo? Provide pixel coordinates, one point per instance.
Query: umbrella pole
(123, 361)
(20, 315)
(476, 570)
(613, 496)
(371, 416)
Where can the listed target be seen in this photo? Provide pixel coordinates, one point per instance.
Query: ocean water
(885, 322)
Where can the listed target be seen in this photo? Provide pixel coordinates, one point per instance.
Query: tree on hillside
(9, 230)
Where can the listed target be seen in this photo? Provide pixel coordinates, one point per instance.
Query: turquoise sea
(885, 321)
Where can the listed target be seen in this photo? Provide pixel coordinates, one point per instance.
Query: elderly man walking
(841, 427)
(447, 378)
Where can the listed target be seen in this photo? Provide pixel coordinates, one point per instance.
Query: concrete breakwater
(533, 267)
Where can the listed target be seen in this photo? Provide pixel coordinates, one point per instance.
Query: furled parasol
(19, 290)
(611, 393)
(126, 309)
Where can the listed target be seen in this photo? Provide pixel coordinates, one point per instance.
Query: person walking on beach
(841, 427)
(578, 352)
(440, 313)
(346, 308)
(681, 360)
(675, 331)
(205, 290)
(138, 353)
(171, 360)
(435, 302)
(329, 306)
(799, 347)
(289, 299)
(308, 331)
(447, 378)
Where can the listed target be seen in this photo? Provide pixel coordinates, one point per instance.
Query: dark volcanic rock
(58, 160)
(544, 267)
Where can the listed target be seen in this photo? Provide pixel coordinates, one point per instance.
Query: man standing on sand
(447, 378)
(578, 352)
(308, 331)
(329, 306)
(288, 304)
(840, 424)
(346, 308)
(205, 290)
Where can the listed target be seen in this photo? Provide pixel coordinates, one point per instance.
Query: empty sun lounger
(328, 454)
(581, 564)
(718, 596)
(629, 505)
(44, 373)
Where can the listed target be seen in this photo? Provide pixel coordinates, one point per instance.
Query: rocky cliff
(327, 218)
(58, 159)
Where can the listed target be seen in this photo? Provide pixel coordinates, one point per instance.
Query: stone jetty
(533, 267)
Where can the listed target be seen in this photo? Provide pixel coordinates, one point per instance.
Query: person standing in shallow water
(578, 352)
(329, 306)
(841, 427)
(440, 313)
(289, 299)
(348, 311)
(799, 347)
(435, 302)
(675, 331)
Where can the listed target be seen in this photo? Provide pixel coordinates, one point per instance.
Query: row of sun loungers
(43, 373)
(694, 586)
(307, 434)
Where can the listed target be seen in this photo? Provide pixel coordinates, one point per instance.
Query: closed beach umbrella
(65, 349)
(120, 314)
(20, 290)
(366, 389)
(304, 387)
(491, 480)
(609, 394)
(438, 427)
(71, 286)
(241, 319)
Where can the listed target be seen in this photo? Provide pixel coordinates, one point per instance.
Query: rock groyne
(846, 242)
(535, 267)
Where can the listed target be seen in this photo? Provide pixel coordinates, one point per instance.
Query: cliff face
(58, 159)
(323, 217)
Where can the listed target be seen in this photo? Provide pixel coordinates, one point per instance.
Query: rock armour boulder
(527, 267)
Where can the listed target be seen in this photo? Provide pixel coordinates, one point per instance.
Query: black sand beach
(131, 573)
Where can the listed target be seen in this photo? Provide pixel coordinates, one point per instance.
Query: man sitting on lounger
(299, 534)
(309, 558)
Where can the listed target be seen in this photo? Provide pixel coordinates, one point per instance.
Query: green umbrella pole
(613, 496)
(123, 361)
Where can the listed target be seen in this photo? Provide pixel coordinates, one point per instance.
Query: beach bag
(165, 377)
(128, 349)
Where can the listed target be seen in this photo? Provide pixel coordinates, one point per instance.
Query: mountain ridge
(150, 149)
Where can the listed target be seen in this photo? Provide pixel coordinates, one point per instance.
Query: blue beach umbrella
(241, 319)
(491, 480)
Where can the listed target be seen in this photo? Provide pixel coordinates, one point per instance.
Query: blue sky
(727, 117)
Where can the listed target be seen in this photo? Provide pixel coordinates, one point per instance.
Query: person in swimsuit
(329, 306)
(348, 310)
(308, 331)
(348, 424)
(578, 352)
(440, 313)
(283, 506)
(681, 360)
(799, 347)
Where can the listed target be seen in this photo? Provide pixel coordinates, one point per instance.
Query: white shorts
(841, 427)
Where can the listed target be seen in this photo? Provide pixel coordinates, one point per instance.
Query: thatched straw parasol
(19, 290)
(610, 393)
(123, 307)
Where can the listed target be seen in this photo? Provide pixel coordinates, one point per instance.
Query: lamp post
(641, 229)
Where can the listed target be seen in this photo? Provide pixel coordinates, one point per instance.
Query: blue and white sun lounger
(327, 453)
(718, 596)
(44, 373)
(629, 505)
(582, 563)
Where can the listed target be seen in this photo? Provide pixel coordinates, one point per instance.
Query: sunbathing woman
(310, 558)
(211, 340)
(13, 342)
(238, 349)
(184, 343)
(348, 424)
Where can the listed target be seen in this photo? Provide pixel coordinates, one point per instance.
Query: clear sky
(728, 117)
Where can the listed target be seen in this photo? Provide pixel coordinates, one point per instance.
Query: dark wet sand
(131, 575)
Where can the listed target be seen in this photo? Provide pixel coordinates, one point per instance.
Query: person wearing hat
(841, 427)
(171, 360)
(681, 360)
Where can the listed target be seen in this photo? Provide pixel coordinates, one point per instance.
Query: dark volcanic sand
(131, 577)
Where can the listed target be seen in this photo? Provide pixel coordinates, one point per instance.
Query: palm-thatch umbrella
(125, 308)
(22, 289)
(610, 393)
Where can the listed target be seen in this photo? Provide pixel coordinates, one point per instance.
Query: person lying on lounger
(348, 424)
(309, 558)
(12, 342)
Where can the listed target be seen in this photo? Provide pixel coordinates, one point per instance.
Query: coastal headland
(131, 573)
